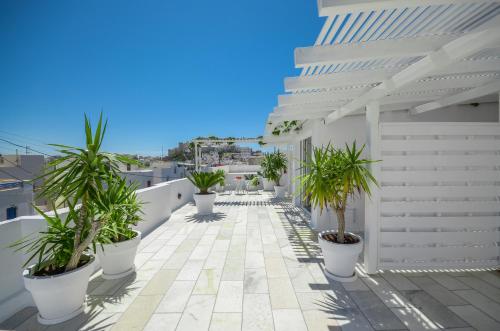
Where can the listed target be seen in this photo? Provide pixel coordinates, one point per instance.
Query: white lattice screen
(440, 195)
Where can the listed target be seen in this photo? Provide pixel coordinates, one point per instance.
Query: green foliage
(51, 249)
(204, 180)
(255, 181)
(335, 175)
(119, 209)
(80, 176)
(273, 166)
(222, 177)
(286, 127)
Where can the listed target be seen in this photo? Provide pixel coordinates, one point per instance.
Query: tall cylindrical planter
(117, 259)
(340, 259)
(204, 203)
(267, 184)
(60, 297)
(279, 191)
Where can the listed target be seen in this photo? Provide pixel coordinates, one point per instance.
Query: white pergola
(394, 54)
(373, 56)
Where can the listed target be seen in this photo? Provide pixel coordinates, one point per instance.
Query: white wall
(352, 128)
(438, 202)
(160, 200)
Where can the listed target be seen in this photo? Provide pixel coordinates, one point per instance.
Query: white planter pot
(279, 191)
(204, 203)
(267, 184)
(340, 259)
(61, 297)
(117, 259)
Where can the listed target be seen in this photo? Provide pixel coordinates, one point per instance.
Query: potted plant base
(267, 184)
(62, 296)
(340, 259)
(279, 191)
(204, 203)
(117, 259)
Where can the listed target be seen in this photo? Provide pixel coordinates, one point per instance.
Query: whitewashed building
(16, 199)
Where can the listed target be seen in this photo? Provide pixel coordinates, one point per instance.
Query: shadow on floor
(214, 217)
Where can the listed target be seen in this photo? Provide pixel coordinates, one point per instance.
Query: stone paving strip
(256, 265)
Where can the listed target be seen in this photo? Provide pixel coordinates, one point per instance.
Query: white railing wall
(159, 201)
(439, 196)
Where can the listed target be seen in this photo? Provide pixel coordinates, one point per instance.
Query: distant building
(22, 167)
(16, 199)
(142, 178)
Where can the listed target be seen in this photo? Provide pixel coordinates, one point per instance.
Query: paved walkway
(254, 265)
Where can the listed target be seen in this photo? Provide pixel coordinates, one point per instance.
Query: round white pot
(279, 191)
(204, 202)
(340, 259)
(267, 184)
(61, 297)
(117, 259)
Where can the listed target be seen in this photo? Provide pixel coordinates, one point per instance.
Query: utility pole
(27, 149)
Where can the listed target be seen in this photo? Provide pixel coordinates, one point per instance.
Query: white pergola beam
(319, 97)
(493, 87)
(449, 54)
(299, 109)
(371, 50)
(362, 77)
(337, 7)
(301, 116)
(341, 97)
(367, 77)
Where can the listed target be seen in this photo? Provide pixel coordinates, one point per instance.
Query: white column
(319, 220)
(372, 206)
(196, 156)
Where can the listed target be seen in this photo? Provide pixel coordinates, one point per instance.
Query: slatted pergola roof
(404, 54)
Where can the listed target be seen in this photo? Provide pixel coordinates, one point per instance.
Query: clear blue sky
(162, 71)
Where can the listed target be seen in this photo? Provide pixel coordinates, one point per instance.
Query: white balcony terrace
(255, 265)
(418, 82)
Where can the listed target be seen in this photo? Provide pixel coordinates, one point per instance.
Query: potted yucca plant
(335, 176)
(278, 164)
(62, 254)
(204, 199)
(266, 166)
(118, 241)
(252, 182)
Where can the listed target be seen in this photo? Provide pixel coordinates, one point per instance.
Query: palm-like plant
(119, 209)
(266, 166)
(222, 177)
(204, 180)
(336, 175)
(255, 181)
(278, 164)
(80, 175)
(52, 250)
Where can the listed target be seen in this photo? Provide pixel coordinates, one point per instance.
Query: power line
(31, 140)
(26, 147)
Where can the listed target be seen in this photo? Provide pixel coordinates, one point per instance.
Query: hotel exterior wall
(352, 128)
(159, 201)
